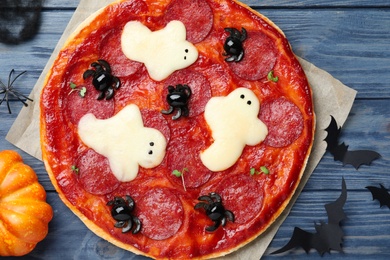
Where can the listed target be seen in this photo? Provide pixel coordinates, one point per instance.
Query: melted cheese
(124, 140)
(163, 51)
(234, 123)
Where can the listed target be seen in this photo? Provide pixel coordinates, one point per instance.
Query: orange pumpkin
(24, 213)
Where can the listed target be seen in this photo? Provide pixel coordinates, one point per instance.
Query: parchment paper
(331, 97)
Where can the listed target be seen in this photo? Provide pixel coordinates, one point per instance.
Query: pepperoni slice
(154, 119)
(132, 8)
(242, 195)
(183, 153)
(259, 59)
(110, 50)
(161, 213)
(95, 174)
(284, 121)
(196, 15)
(77, 106)
(199, 85)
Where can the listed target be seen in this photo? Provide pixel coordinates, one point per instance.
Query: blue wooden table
(349, 39)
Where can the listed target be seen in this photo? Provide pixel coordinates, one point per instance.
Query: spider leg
(6, 100)
(4, 87)
(185, 111)
(223, 221)
(215, 196)
(120, 224)
(243, 34)
(233, 32)
(231, 58)
(15, 92)
(188, 91)
(3, 98)
(117, 82)
(127, 227)
(129, 201)
(206, 198)
(110, 93)
(105, 65)
(169, 111)
(18, 95)
(88, 73)
(240, 56)
(101, 95)
(9, 77)
(201, 205)
(213, 227)
(138, 225)
(178, 114)
(96, 65)
(229, 215)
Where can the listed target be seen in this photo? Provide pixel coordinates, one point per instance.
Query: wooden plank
(333, 40)
(65, 4)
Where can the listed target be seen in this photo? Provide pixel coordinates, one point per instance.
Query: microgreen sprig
(271, 76)
(75, 169)
(179, 174)
(81, 90)
(263, 170)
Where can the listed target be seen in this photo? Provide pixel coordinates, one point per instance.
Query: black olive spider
(212, 204)
(121, 212)
(178, 97)
(233, 44)
(102, 79)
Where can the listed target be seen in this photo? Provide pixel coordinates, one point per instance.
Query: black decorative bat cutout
(328, 236)
(381, 194)
(340, 151)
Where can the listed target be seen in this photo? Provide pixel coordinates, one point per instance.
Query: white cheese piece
(234, 123)
(124, 140)
(163, 51)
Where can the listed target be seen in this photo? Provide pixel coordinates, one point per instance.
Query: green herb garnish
(75, 169)
(178, 174)
(81, 90)
(263, 170)
(271, 76)
(253, 171)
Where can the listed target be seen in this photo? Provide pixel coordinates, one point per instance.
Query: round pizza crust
(256, 200)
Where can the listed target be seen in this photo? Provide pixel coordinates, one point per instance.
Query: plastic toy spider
(9, 89)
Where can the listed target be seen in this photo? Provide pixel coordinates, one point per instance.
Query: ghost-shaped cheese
(163, 51)
(124, 140)
(234, 123)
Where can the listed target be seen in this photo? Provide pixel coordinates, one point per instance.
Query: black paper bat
(328, 236)
(381, 194)
(340, 151)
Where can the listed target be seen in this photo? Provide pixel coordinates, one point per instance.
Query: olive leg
(178, 114)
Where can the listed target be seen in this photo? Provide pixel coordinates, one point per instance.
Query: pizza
(176, 129)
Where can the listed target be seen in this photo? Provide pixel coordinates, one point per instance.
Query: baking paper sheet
(331, 97)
